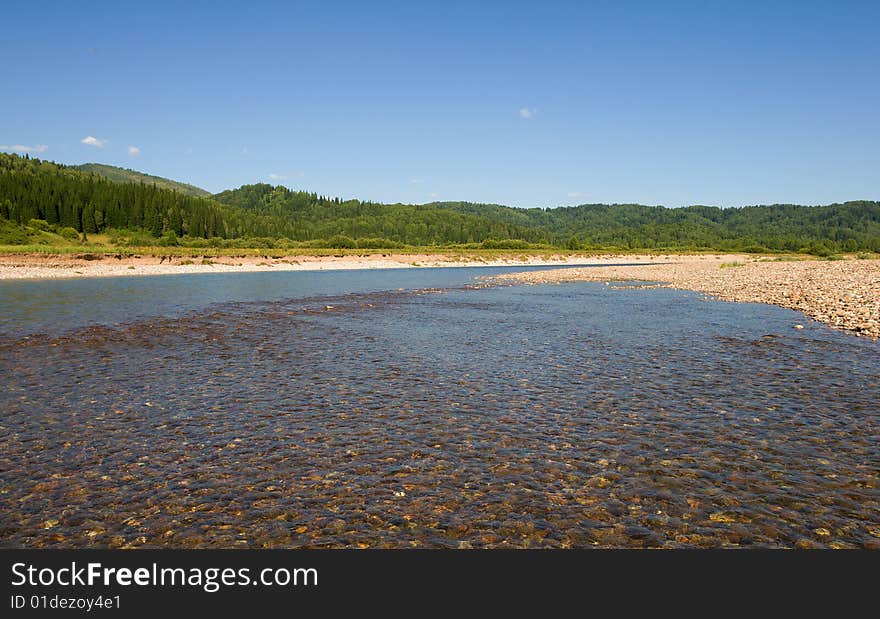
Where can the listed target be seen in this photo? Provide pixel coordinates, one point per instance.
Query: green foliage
(379, 243)
(331, 220)
(850, 226)
(38, 224)
(69, 233)
(12, 234)
(169, 240)
(66, 197)
(42, 196)
(505, 244)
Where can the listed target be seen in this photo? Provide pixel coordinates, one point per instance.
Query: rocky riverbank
(844, 294)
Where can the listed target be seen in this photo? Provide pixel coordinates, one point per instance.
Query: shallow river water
(414, 408)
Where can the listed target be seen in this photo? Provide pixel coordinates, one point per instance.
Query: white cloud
(285, 176)
(93, 141)
(527, 112)
(21, 148)
(134, 151)
(433, 195)
(575, 194)
(416, 181)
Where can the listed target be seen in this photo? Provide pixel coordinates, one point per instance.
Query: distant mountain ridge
(125, 175)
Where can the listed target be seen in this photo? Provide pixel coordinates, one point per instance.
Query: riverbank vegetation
(46, 206)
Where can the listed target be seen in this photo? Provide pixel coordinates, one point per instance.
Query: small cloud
(134, 151)
(21, 148)
(527, 112)
(433, 195)
(575, 194)
(244, 150)
(285, 176)
(416, 181)
(93, 141)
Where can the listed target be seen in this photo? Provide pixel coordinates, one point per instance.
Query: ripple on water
(548, 416)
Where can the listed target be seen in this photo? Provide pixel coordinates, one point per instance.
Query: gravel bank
(53, 266)
(844, 294)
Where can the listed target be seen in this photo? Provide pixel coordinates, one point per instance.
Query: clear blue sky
(527, 104)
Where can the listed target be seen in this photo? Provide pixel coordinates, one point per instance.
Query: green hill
(317, 217)
(59, 197)
(39, 198)
(850, 226)
(124, 175)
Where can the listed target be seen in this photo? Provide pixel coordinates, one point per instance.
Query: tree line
(78, 200)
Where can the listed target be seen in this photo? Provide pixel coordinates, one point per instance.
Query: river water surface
(414, 407)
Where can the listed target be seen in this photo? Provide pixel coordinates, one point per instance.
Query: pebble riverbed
(459, 417)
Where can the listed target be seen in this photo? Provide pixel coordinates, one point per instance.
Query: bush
(505, 244)
(822, 251)
(169, 240)
(140, 239)
(11, 234)
(378, 243)
(340, 241)
(69, 233)
(38, 224)
(188, 241)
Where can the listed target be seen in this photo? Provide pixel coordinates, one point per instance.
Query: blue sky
(527, 104)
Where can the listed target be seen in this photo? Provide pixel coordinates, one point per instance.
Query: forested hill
(124, 175)
(850, 226)
(64, 197)
(37, 194)
(317, 217)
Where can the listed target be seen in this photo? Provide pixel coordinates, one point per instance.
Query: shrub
(38, 224)
(11, 234)
(194, 242)
(169, 240)
(140, 239)
(340, 241)
(69, 233)
(378, 243)
(505, 244)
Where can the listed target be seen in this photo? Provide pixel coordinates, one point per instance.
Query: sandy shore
(43, 266)
(844, 294)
